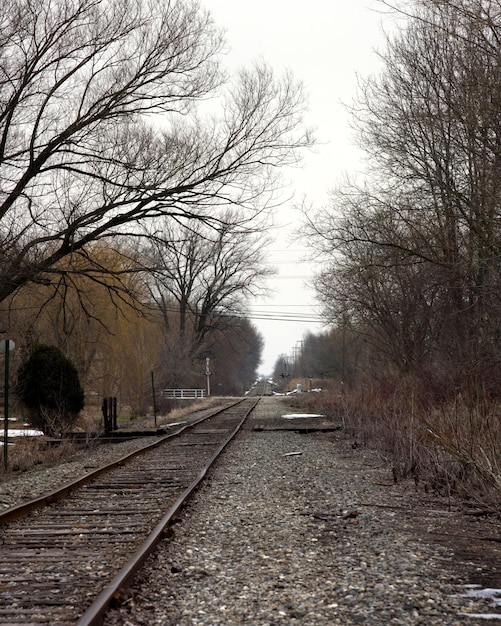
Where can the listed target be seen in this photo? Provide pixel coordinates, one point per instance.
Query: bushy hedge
(49, 387)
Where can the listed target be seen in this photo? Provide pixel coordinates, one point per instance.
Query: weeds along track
(69, 555)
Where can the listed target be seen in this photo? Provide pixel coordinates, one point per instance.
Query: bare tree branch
(106, 121)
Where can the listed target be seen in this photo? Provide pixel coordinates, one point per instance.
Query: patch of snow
(478, 593)
(482, 615)
(20, 432)
(24, 432)
(294, 416)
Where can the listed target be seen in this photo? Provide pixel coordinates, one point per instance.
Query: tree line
(413, 249)
(116, 333)
(413, 252)
(137, 180)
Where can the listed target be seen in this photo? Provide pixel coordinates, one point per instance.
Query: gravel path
(303, 529)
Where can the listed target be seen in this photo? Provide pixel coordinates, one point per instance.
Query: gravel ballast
(301, 529)
(34, 483)
(304, 529)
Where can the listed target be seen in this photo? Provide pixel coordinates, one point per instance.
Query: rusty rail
(76, 552)
(95, 613)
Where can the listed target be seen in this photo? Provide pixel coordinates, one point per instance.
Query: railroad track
(261, 388)
(67, 556)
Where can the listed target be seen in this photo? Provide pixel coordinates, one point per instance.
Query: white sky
(326, 43)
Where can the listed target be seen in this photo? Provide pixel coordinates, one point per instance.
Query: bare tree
(416, 252)
(391, 297)
(235, 353)
(209, 272)
(105, 121)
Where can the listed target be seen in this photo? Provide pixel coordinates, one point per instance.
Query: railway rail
(262, 387)
(68, 555)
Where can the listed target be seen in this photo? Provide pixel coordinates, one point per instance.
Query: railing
(183, 393)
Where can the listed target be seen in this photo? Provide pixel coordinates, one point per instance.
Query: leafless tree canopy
(117, 111)
(415, 253)
(208, 273)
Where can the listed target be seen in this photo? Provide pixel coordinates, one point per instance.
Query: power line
(290, 277)
(270, 318)
(256, 314)
(281, 316)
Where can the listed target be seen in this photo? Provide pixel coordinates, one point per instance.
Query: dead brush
(470, 436)
(329, 401)
(90, 421)
(448, 448)
(30, 452)
(24, 454)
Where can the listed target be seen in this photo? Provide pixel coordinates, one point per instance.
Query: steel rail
(94, 615)
(21, 510)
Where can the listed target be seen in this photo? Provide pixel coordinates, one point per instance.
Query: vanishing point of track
(67, 556)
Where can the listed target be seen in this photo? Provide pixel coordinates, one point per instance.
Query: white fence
(183, 393)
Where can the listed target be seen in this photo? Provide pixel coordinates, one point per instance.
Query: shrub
(49, 387)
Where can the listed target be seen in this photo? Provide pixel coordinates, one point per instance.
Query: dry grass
(171, 411)
(452, 447)
(30, 452)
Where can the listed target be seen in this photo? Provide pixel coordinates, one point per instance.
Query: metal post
(343, 362)
(5, 345)
(106, 419)
(207, 373)
(154, 399)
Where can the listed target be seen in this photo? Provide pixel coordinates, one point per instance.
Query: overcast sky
(326, 44)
